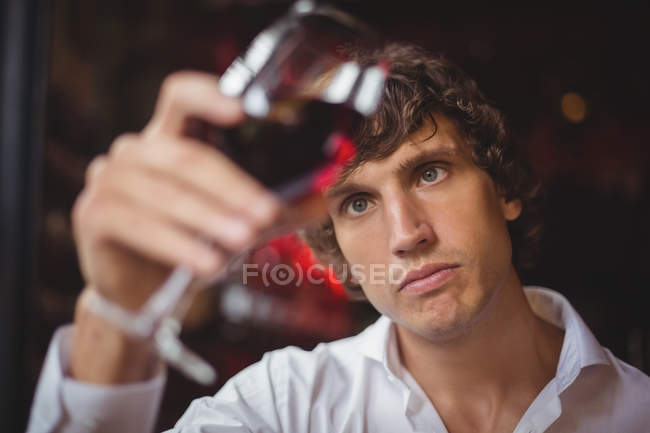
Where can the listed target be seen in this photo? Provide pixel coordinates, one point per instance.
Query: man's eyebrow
(343, 189)
(425, 156)
(347, 188)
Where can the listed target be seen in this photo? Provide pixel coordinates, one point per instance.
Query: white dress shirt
(355, 384)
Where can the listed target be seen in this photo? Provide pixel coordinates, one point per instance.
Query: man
(436, 188)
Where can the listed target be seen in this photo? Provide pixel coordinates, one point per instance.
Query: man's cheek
(460, 231)
(364, 248)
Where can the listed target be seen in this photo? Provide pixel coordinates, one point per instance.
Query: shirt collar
(579, 349)
(375, 339)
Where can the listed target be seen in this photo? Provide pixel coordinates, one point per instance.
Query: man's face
(426, 204)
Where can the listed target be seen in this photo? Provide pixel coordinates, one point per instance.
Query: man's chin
(447, 334)
(442, 329)
(445, 318)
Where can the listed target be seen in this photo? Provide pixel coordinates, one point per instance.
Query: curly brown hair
(420, 86)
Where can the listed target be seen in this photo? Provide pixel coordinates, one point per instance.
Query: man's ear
(510, 209)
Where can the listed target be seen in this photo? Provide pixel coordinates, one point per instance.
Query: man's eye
(432, 175)
(356, 206)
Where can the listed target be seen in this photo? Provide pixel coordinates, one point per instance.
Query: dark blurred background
(573, 82)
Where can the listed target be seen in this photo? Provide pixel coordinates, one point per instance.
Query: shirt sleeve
(64, 405)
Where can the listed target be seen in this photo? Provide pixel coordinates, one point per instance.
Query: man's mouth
(427, 278)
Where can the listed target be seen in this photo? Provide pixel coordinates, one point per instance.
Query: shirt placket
(419, 411)
(543, 412)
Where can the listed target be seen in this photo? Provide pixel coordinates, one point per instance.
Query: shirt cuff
(67, 405)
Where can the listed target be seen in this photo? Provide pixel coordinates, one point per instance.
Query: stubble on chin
(441, 326)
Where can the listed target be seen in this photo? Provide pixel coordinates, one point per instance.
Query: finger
(178, 204)
(209, 172)
(190, 94)
(96, 167)
(107, 218)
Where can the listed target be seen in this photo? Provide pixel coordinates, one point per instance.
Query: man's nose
(409, 225)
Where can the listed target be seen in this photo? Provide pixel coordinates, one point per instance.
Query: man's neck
(509, 354)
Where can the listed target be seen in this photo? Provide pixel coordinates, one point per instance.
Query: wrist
(104, 354)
